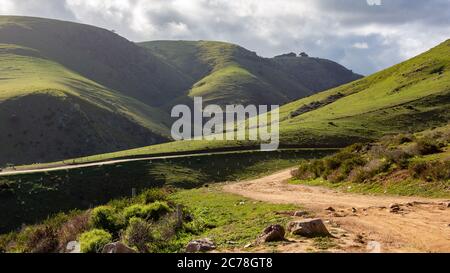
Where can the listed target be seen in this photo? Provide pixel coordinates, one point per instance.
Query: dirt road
(365, 223)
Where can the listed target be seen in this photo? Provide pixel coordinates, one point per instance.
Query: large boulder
(201, 245)
(117, 247)
(273, 233)
(309, 228)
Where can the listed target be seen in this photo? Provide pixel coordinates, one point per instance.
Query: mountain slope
(48, 112)
(224, 73)
(97, 54)
(408, 97)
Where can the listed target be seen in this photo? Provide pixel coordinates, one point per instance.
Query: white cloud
(338, 30)
(361, 45)
(6, 7)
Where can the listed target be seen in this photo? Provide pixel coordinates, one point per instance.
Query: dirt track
(421, 226)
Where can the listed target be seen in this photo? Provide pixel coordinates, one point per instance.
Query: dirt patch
(366, 223)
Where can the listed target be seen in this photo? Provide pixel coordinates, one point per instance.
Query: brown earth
(360, 223)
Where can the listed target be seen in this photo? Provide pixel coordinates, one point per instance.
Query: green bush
(138, 234)
(106, 217)
(431, 171)
(428, 147)
(148, 212)
(93, 241)
(152, 195)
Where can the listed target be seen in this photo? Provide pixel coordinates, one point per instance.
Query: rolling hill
(224, 73)
(69, 90)
(408, 97)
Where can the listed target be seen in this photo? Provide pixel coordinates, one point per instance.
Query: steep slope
(48, 112)
(99, 55)
(224, 73)
(408, 97)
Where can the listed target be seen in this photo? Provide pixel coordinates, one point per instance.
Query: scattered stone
(300, 213)
(309, 228)
(448, 205)
(73, 247)
(273, 233)
(201, 245)
(331, 209)
(394, 208)
(117, 247)
(354, 210)
(359, 239)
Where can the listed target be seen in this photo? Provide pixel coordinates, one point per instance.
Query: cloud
(363, 37)
(360, 45)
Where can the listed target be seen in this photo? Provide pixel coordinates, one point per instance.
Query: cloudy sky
(360, 34)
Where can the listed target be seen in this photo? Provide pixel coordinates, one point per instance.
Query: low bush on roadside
(106, 218)
(153, 211)
(93, 241)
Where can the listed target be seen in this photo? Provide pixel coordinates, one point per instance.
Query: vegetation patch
(401, 164)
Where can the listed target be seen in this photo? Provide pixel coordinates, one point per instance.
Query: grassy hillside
(99, 55)
(230, 221)
(49, 113)
(409, 97)
(32, 197)
(406, 164)
(84, 90)
(224, 73)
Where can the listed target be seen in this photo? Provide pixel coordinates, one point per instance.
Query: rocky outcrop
(201, 245)
(308, 228)
(273, 233)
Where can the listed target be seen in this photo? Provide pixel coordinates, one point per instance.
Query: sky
(363, 35)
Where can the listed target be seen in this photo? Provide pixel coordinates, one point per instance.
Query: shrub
(93, 241)
(309, 170)
(43, 239)
(138, 234)
(148, 212)
(431, 171)
(105, 217)
(70, 230)
(152, 195)
(427, 147)
(368, 171)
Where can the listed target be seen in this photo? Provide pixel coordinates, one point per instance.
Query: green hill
(48, 112)
(69, 90)
(408, 97)
(224, 73)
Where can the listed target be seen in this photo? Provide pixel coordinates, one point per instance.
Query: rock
(117, 247)
(249, 245)
(309, 228)
(201, 245)
(330, 209)
(448, 205)
(394, 208)
(273, 233)
(73, 247)
(300, 213)
(354, 210)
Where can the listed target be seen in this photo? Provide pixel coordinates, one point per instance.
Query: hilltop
(408, 97)
(70, 90)
(224, 73)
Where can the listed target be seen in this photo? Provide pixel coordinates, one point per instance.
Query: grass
(229, 220)
(32, 197)
(410, 165)
(235, 221)
(409, 97)
(409, 187)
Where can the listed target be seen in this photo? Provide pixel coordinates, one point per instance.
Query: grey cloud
(394, 31)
